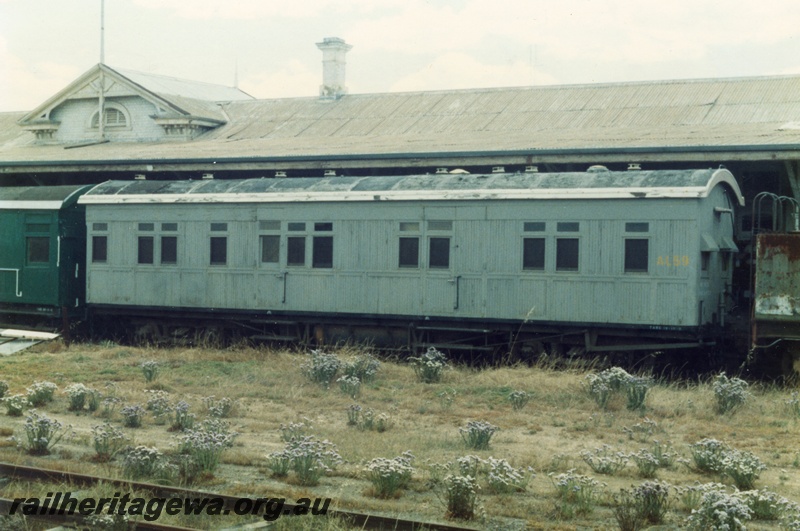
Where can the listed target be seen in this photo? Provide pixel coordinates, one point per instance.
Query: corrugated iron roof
(173, 86)
(684, 115)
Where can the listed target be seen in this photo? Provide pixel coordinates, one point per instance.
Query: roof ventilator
(531, 169)
(330, 173)
(596, 168)
(441, 170)
(208, 176)
(498, 169)
(140, 177)
(280, 173)
(634, 166)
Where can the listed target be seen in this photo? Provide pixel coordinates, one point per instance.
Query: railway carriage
(600, 260)
(42, 246)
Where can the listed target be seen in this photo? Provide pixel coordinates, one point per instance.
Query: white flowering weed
(430, 366)
(477, 434)
(389, 476)
(604, 460)
(41, 433)
(41, 393)
(730, 393)
(16, 404)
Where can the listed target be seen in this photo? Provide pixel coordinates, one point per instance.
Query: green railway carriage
(42, 253)
(637, 255)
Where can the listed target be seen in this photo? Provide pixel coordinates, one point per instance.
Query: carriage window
(38, 249)
(270, 249)
(533, 254)
(99, 249)
(409, 226)
(169, 227)
(534, 226)
(219, 250)
(568, 226)
(102, 227)
(567, 257)
(295, 227)
(636, 255)
(322, 250)
(169, 249)
(145, 254)
(147, 227)
(637, 227)
(219, 227)
(296, 250)
(440, 225)
(439, 253)
(409, 252)
(269, 225)
(323, 227)
(705, 259)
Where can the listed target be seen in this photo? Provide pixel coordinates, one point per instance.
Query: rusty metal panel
(777, 282)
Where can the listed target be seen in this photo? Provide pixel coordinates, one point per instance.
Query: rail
(357, 519)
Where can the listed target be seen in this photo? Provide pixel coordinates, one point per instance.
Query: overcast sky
(398, 45)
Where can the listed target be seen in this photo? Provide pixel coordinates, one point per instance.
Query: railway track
(357, 519)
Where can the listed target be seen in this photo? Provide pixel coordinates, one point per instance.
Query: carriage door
(442, 281)
(272, 278)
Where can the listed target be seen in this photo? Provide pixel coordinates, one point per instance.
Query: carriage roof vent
(597, 168)
(330, 173)
(140, 177)
(441, 170)
(280, 173)
(531, 169)
(208, 176)
(498, 169)
(634, 166)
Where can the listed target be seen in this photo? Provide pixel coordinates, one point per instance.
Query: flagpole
(100, 114)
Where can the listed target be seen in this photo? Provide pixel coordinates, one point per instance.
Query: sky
(268, 46)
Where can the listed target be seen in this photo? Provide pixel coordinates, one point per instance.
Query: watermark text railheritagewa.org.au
(150, 509)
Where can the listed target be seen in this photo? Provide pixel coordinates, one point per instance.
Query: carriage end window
(99, 249)
(38, 249)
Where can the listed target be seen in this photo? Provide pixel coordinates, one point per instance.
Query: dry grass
(548, 434)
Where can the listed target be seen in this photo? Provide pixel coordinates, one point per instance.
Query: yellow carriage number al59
(673, 260)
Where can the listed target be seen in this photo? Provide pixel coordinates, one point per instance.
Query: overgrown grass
(548, 434)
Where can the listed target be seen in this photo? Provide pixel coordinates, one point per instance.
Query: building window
(439, 253)
(296, 250)
(705, 260)
(533, 254)
(637, 255)
(145, 254)
(567, 257)
(270, 249)
(99, 249)
(169, 250)
(409, 252)
(38, 249)
(219, 250)
(113, 115)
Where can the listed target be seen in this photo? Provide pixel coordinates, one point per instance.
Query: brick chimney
(333, 65)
